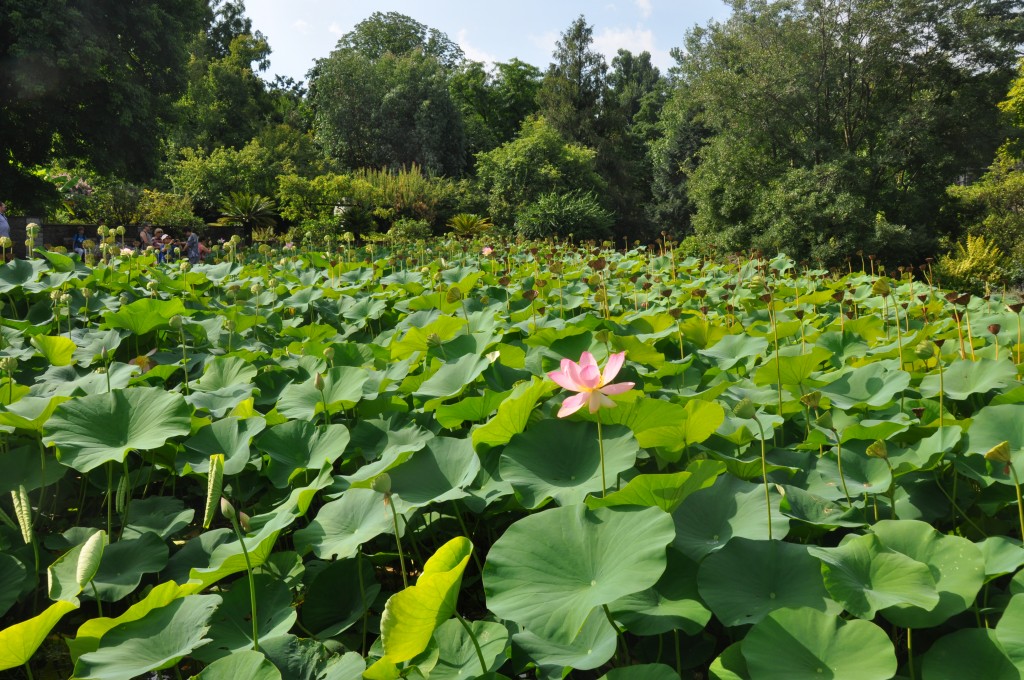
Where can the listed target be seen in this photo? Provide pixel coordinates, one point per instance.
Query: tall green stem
(398, 540)
(764, 476)
(476, 645)
(600, 449)
(1020, 503)
(252, 582)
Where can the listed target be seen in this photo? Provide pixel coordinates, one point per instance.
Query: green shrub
(406, 229)
(560, 215)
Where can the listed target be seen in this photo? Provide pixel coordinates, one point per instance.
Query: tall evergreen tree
(573, 90)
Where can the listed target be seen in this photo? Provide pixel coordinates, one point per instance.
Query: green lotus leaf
(90, 632)
(70, 381)
(956, 564)
(1003, 555)
(805, 643)
(568, 474)
(968, 653)
(160, 515)
(669, 427)
(76, 568)
(343, 525)
(707, 519)
(348, 666)
(591, 648)
(807, 507)
(787, 576)
(343, 387)
(225, 372)
(412, 615)
(57, 350)
(862, 473)
(22, 467)
(733, 349)
(513, 414)
(12, 575)
(157, 640)
(671, 603)
(926, 453)
(473, 409)
(58, 261)
(297, 445)
(666, 491)
(963, 377)
(219, 402)
(457, 656)
(19, 642)
(550, 570)
(791, 370)
(730, 664)
(30, 413)
(245, 664)
(417, 338)
(452, 378)
(18, 272)
(334, 600)
(435, 474)
(91, 342)
(992, 426)
(231, 436)
(865, 576)
(124, 564)
(650, 671)
(843, 346)
(872, 385)
(1010, 631)
(231, 626)
(145, 315)
(140, 419)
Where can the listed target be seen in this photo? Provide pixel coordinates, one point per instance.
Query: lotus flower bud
(87, 293)
(227, 509)
(329, 353)
(8, 364)
(176, 322)
(382, 484)
(318, 381)
(243, 521)
(1000, 453)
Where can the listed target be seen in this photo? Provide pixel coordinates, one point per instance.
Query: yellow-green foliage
(977, 262)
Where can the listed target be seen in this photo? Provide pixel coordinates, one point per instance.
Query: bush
(163, 209)
(973, 266)
(406, 229)
(559, 215)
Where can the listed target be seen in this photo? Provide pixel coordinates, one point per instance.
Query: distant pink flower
(593, 386)
(487, 251)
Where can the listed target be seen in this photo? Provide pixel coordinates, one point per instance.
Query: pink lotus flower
(592, 384)
(487, 251)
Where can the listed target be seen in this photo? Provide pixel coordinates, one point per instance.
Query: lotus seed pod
(32, 229)
(1000, 453)
(877, 449)
(65, 298)
(318, 381)
(120, 230)
(925, 350)
(880, 287)
(256, 289)
(176, 322)
(811, 399)
(382, 484)
(744, 409)
(87, 293)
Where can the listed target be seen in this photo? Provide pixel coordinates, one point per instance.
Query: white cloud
(474, 53)
(636, 40)
(645, 7)
(300, 26)
(545, 44)
(336, 29)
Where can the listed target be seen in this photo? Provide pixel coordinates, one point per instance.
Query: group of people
(164, 244)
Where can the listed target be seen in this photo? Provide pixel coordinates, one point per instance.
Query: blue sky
(301, 31)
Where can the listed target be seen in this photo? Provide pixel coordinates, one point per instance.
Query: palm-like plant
(468, 225)
(247, 210)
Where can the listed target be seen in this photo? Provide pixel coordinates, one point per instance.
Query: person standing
(5, 228)
(192, 246)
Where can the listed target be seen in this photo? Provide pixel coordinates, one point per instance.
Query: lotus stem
(28, 671)
(842, 477)
(476, 645)
(1020, 502)
(362, 598)
(899, 332)
(398, 540)
(252, 581)
(600, 450)
(910, 655)
(618, 634)
(764, 477)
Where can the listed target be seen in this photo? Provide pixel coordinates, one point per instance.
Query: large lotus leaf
(791, 370)
(142, 316)
(231, 626)
(387, 444)
(1010, 631)
(561, 459)
(17, 272)
(962, 378)
(473, 409)
(672, 603)
(300, 445)
(452, 378)
(412, 615)
(968, 653)
(709, 518)
(650, 671)
(865, 576)
(666, 491)
(57, 350)
(343, 525)
(100, 428)
(871, 385)
(435, 474)
(245, 664)
(862, 473)
(19, 642)
(22, 467)
(90, 632)
(334, 601)
(219, 402)
(160, 515)
(732, 349)
(225, 372)
(730, 664)
(343, 387)
(807, 507)
(231, 436)
(805, 643)
(12, 576)
(550, 570)
(591, 648)
(786, 576)
(457, 656)
(664, 425)
(513, 414)
(125, 563)
(992, 426)
(926, 453)
(155, 641)
(73, 570)
(91, 342)
(1003, 555)
(348, 666)
(70, 381)
(956, 564)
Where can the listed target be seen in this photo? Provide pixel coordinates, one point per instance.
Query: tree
(573, 89)
(375, 107)
(891, 99)
(539, 161)
(92, 82)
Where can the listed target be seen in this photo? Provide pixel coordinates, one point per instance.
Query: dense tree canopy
(89, 81)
